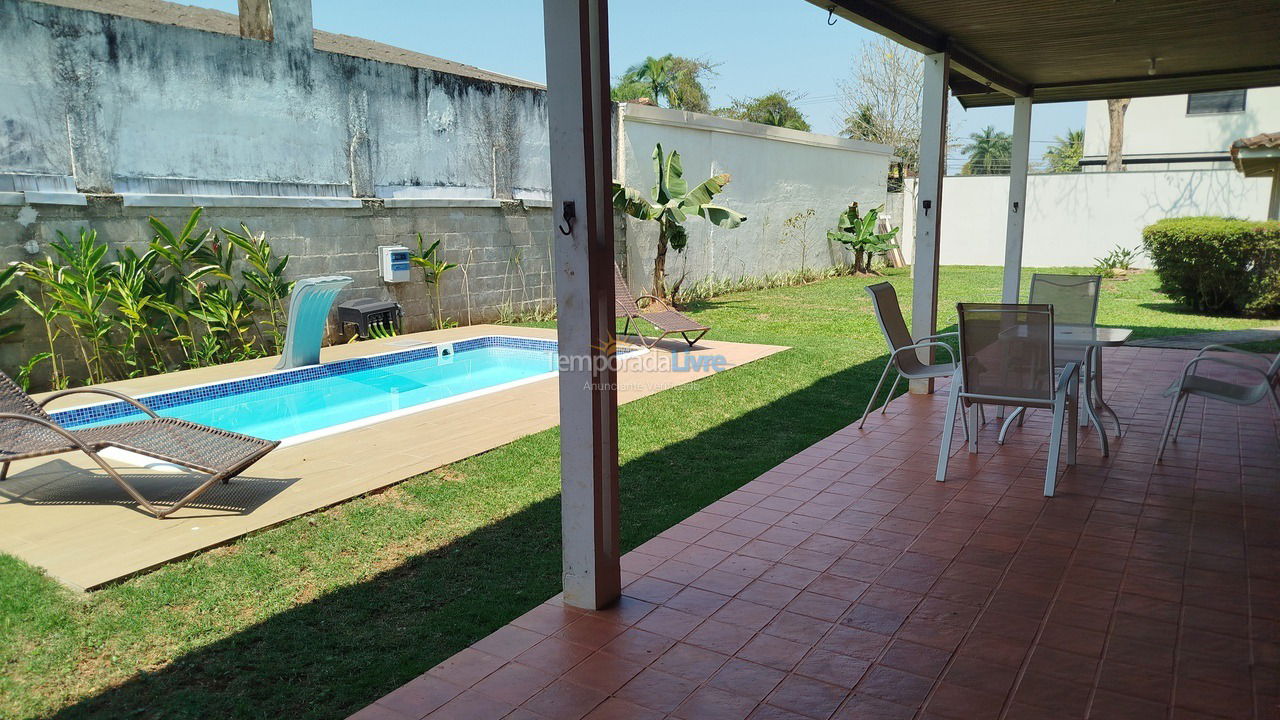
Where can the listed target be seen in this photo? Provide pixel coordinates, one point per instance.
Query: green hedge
(1218, 265)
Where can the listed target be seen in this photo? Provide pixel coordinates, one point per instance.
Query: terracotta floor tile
(553, 655)
(775, 652)
(565, 699)
(471, 705)
(604, 672)
(807, 696)
(657, 690)
(709, 703)
(896, 686)
(618, 709)
(690, 662)
(1140, 591)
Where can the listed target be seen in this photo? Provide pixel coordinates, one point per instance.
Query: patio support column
(933, 163)
(1017, 198)
(578, 108)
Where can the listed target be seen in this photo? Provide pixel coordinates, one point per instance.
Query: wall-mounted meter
(393, 263)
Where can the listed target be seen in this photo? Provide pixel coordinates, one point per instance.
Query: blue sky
(761, 45)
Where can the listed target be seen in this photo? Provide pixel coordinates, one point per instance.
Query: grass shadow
(335, 654)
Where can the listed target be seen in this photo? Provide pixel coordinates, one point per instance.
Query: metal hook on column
(569, 213)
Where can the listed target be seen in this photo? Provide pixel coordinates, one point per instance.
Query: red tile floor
(847, 583)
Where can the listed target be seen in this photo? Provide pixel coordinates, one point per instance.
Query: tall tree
(1116, 108)
(1064, 154)
(670, 80)
(989, 153)
(881, 99)
(775, 109)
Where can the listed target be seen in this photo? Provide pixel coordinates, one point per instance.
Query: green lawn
(326, 613)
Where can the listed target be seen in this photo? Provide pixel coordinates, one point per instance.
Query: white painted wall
(777, 173)
(1162, 125)
(1073, 218)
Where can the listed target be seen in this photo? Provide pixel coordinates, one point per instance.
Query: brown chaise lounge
(658, 314)
(27, 431)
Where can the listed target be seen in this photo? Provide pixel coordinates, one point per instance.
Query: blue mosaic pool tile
(162, 401)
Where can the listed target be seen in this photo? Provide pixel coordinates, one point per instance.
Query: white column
(577, 46)
(1273, 205)
(1017, 198)
(933, 151)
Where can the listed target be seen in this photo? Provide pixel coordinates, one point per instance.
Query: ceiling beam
(1161, 77)
(880, 18)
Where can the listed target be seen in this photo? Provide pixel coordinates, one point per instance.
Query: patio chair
(902, 348)
(657, 313)
(1192, 384)
(1075, 302)
(27, 431)
(1006, 358)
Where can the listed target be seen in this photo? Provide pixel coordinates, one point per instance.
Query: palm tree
(989, 152)
(1065, 152)
(672, 80)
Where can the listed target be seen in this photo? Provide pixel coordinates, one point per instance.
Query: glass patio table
(1092, 340)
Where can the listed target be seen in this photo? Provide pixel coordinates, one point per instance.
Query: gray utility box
(367, 312)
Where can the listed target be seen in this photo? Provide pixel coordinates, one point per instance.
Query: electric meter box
(393, 263)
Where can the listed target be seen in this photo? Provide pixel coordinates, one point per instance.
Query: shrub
(1218, 265)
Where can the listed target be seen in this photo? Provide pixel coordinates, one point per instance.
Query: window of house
(1208, 103)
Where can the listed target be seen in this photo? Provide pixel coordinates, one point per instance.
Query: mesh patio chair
(903, 359)
(1006, 358)
(1195, 384)
(657, 313)
(1075, 302)
(27, 431)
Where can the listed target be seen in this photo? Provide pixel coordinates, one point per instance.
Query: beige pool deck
(65, 515)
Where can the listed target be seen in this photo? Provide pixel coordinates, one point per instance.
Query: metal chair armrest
(653, 300)
(1223, 361)
(936, 336)
(921, 345)
(1069, 371)
(1238, 351)
(98, 391)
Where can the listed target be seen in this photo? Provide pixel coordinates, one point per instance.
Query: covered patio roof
(1064, 50)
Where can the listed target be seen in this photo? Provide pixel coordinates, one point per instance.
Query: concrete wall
(503, 249)
(104, 103)
(1161, 125)
(1074, 218)
(777, 173)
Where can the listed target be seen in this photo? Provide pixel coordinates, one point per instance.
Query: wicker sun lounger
(657, 313)
(27, 431)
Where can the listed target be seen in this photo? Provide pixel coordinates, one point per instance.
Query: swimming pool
(306, 403)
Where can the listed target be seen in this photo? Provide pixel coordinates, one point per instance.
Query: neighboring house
(1181, 132)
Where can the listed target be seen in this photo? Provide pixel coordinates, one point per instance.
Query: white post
(1017, 198)
(1273, 205)
(578, 108)
(933, 151)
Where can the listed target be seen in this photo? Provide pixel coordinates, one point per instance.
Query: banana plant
(858, 233)
(433, 269)
(673, 203)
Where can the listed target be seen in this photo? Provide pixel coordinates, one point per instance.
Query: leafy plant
(1119, 259)
(858, 233)
(673, 202)
(1218, 265)
(131, 316)
(8, 299)
(433, 269)
(1065, 153)
(989, 153)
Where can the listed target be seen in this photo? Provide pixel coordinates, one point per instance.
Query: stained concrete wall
(103, 103)
(777, 174)
(1074, 218)
(502, 249)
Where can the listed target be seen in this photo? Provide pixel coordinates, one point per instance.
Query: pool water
(289, 407)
